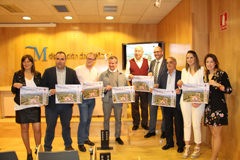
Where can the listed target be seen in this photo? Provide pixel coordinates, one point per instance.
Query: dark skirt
(28, 115)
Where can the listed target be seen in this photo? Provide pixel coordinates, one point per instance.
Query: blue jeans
(65, 113)
(85, 110)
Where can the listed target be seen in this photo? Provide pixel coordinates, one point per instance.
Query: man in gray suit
(112, 77)
(157, 68)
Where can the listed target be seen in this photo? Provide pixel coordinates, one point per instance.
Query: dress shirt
(171, 80)
(84, 75)
(61, 76)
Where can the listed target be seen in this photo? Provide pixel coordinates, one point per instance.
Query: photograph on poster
(123, 94)
(143, 83)
(92, 90)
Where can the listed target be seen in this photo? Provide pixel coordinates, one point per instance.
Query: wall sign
(223, 21)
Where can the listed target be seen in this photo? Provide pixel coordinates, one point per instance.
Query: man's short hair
(95, 54)
(173, 59)
(61, 52)
(113, 57)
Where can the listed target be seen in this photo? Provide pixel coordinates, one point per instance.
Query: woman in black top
(216, 112)
(27, 76)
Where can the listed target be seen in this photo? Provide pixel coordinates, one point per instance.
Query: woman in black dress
(27, 76)
(216, 112)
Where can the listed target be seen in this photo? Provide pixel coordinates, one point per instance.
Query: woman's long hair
(215, 60)
(197, 66)
(30, 58)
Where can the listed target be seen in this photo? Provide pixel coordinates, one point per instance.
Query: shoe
(29, 156)
(180, 149)
(69, 148)
(187, 152)
(119, 141)
(163, 135)
(82, 148)
(145, 127)
(149, 135)
(135, 127)
(36, 148)
(196, 153)
(89, 143)
(167, 147)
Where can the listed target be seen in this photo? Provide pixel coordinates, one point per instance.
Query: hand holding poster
(68, 94)
(92, 90)
(143, 83)
(195, 93)
(163, 97)
(33, 96)
(123, 94)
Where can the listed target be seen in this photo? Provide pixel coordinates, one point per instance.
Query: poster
(163, 97)
(123, 94)
(92, 90)
(143, 83)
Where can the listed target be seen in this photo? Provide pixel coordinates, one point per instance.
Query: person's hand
(108, 88)
(52, 91)
(130, 76)
(151, 89)
(155, 85)
(178, 91)
(196, 105)
(180, 83)
(17, 85)
(135, 88)
(214, 83)
(82, 91)
(150, 74)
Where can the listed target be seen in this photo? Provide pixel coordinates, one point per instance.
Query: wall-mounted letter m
(36, 52)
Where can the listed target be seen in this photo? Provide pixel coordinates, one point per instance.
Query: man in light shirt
(138, 66)
(112, 77)
(86, 73)
(157, 68)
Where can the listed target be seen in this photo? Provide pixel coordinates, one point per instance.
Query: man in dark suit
(169, 81)
(157, 68)
(59, 74)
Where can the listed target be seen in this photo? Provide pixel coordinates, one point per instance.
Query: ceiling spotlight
(109, 17)
(68, 17)
(158, 3)
(26, 18)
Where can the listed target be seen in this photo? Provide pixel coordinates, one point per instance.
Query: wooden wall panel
(70, 38)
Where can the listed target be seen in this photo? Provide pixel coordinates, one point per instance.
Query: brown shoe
(69, 148)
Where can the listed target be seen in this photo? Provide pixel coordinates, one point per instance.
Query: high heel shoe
(36, 148)
(196, 153)
(29, 156)
(186, 152)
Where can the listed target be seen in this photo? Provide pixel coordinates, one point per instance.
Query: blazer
(163, 68)
(122, 81)
(49, 80)
(17, 78)
(163, 85)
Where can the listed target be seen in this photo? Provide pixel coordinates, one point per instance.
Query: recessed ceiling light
(27, 18)
(68, 17)
(109, 17)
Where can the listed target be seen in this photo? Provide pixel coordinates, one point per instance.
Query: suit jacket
(49, 80)
(122, 81)
(163, 85)
(163, 68)
(17, 78)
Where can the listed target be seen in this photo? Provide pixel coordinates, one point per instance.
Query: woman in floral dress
(216, 112)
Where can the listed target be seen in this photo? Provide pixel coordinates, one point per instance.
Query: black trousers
(177, 114)
(144, 108)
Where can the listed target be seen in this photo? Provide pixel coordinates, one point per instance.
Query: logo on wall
(36, 52)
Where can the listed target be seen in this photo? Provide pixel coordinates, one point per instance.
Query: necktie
(156, 73)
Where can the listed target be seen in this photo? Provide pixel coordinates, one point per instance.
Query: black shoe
(47, 150)
(135, 127)
(163, 135)
(29, 156)
(89, 143)
(82, 148)
(167, 147)
(145, 127)
(70, 148)
(180, 149)
(119, 141)
(149, 135)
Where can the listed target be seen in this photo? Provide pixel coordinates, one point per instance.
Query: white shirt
(84, 75)
(171, 81)
(139, 64)
(29, 83)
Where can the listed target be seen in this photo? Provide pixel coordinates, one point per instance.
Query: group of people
(165, 77)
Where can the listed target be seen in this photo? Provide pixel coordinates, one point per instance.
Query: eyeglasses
(90, 59)
(157, 51)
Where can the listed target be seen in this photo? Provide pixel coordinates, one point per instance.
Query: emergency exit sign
(223, 21)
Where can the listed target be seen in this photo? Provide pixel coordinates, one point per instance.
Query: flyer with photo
(123, 94)
(92, 90)
(68, 94)
(195, 93)
(33, 96)
(143, 83)
(163, 97)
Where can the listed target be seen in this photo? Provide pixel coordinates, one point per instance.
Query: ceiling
(86, 11)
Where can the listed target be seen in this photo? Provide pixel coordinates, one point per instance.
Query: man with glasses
(157, 68)
(86, 73)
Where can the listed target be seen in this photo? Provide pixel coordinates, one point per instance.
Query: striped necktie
(156, 72)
